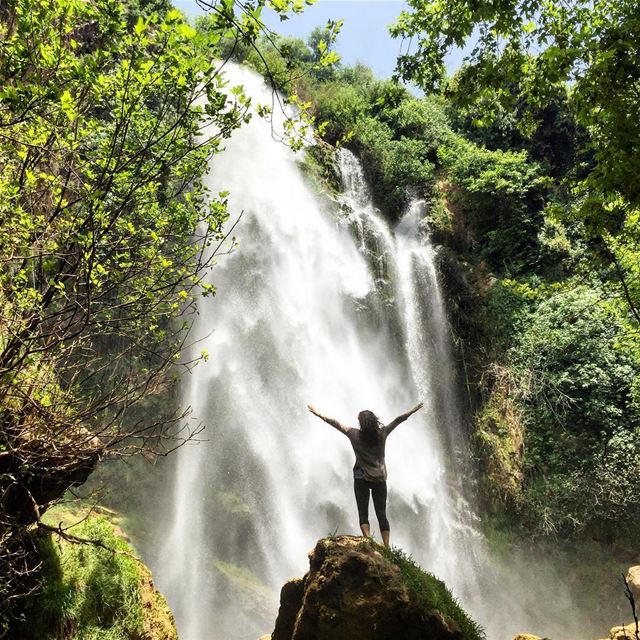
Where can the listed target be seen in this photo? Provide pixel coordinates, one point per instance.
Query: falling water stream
(322, 302)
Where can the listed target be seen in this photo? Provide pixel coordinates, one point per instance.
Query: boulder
(633, 580)
(628, 632)
(357, 590)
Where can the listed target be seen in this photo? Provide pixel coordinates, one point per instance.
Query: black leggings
(379, 493)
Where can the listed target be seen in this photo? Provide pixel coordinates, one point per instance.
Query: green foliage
(341, 106)
(395, 135)
(579, 378)
(598, 497)
(502, 195)
(136, 9)
(100, 191)
(563, 76)
(582, 425)
(505, 304)
(493, 172)
(321, 42)
(512, 159)
(284, 61)
(88, 592)
(623, 247)
(421, 119)
(433, 594)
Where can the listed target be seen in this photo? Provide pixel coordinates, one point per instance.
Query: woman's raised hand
(313, 410)
(416, 408)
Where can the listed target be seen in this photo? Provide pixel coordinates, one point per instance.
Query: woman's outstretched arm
(400, 419)
(334, 423)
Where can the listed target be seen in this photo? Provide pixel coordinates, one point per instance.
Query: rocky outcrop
(628, 632)
(91, 584)
(357, 590)
(633, 580)
(158, 622)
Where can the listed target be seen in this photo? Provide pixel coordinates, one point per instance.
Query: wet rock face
(353, 592)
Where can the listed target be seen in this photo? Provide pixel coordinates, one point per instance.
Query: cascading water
(335, 310)
(411, 287)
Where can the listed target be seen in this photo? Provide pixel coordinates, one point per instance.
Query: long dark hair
(369, 427)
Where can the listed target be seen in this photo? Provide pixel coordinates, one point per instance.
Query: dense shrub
(505, 304)
(419, 119)
(582, 426)
(341, 107)
(502, 194)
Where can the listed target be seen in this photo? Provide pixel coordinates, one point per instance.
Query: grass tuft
(87, 592)
(433, 593)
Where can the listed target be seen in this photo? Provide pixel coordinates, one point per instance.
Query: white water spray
(341, 312)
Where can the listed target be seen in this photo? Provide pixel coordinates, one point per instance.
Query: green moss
(439, 216)
(433, 594)
(499, 438)
(87, 592)
(318, 165)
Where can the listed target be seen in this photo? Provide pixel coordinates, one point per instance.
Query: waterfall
(330, 306)
(444, 534)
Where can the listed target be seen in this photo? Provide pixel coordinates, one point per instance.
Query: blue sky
(364, 36)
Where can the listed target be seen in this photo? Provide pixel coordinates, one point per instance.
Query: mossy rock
(89, 592)
(499, 438)
(319, 166)
(433, 595)
(357, 590)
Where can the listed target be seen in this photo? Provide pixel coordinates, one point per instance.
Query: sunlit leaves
(524, 55)
(107, 226)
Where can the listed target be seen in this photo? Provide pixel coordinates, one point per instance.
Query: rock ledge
(357, 590)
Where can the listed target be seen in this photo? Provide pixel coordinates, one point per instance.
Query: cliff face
(357, 590)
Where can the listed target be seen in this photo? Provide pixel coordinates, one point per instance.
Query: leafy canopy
(524, 55)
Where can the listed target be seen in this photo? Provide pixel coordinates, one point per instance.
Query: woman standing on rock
(370, 471)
